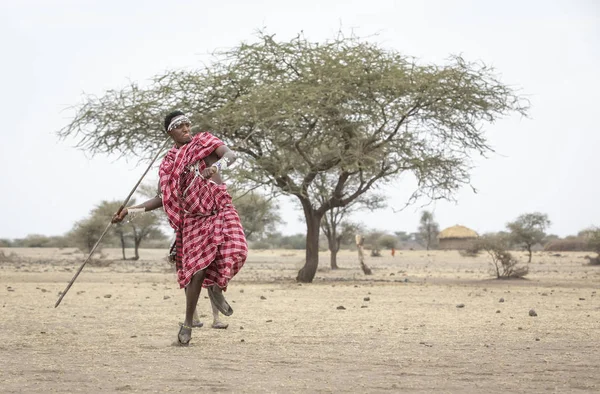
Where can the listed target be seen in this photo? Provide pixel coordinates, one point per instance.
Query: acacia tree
(335, 224)
(258, 214)
(85, 233)
(528, 230)
(136, 228)
(104, 211)
(428, 230)
(337, 230)
(503, 263)
(349, 108)
(590, 237)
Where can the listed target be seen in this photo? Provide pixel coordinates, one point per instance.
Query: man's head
(177, 125)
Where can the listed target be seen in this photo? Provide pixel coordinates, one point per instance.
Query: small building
(457, 238)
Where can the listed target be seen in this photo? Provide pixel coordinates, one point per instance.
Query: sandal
(218, 300)
(181, 328)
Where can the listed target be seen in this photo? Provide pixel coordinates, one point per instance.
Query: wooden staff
(110, 224)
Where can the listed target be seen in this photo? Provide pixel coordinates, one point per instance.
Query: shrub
(260, 245)
(593, 238)
(504, 265)
(569, 244)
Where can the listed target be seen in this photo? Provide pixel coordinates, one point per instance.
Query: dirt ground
(399, 330)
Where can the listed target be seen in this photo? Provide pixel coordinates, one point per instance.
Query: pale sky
(54, 51)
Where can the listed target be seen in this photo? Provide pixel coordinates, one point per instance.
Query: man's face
(181, 134)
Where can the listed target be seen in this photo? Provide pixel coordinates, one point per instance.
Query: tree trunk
(333, 260)
(529, 250)
(313, 226)
(137, 239)
(333, 248)
(123, 246)
(137, 247)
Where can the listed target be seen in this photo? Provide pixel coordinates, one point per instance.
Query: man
(210, 246)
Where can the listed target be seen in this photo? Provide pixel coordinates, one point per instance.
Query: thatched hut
(457, 238)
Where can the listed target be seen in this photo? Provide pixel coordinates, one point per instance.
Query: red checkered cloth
(209, 233)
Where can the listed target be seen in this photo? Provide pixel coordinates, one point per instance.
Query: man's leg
(215, 293)
(196, 322)
(191, 299)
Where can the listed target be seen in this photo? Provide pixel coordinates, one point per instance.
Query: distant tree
(258, 214)
(57, 241)
(568, 244)
(403, 236)
(337, 233)
(85, 233)
(387, 241)
(104, 211)
(335, 224)
(528, 230)
(588, 233)
(549, 238)
(5, 243)
(296, 241)
(34, 241)
(136, 228)
(143, 227)
(371, 241)
(593, 238)
(376, 240)
(503, 263)
(280, 241)
(428, 230)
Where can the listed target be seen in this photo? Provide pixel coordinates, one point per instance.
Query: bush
(387, 241)
(8, 258)
(569, 244)
(504, 265)
(593, 240)
(593, 260)
(260, 245)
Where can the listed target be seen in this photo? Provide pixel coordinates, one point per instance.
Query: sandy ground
(400, 329)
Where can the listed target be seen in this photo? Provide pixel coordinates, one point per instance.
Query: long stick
(110, 224)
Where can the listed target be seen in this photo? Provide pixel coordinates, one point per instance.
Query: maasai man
(210, 245)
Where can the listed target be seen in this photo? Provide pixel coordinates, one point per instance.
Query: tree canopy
(348, 109)
(528, 230)
(428, 230)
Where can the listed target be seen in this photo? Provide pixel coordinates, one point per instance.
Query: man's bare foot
(215, 293)
(220, 325)
(185, 335)
(197, 324)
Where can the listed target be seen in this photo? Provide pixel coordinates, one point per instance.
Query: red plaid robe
(209, 233)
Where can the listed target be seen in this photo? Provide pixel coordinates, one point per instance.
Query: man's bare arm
(149, 205)
(225, 155)
(218, 160)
